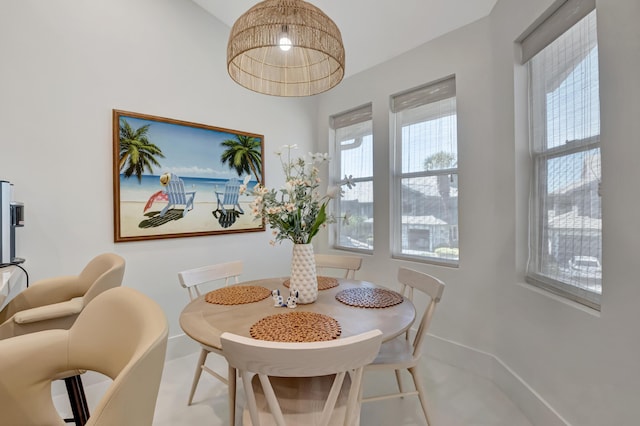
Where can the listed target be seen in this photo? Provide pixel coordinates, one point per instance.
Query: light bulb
(284, 43)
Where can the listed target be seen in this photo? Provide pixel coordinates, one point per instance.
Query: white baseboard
(179, 346)
(484, 364)
(489, 366)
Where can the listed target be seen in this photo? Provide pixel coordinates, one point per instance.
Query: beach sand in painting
(200, 219)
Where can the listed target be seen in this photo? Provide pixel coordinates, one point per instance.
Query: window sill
(558, 298)
(352, 250)
(427, 260)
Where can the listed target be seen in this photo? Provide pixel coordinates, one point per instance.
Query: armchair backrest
(103, 272)
(122, 334)
(56, 302)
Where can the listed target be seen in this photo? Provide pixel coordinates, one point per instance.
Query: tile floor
(457, 398)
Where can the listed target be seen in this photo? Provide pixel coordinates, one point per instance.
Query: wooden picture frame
(175, 178)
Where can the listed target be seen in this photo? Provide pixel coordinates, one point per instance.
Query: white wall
(64, 66)
(582, 363)
(467, 311)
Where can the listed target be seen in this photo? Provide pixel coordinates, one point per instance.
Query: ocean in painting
(133, 190)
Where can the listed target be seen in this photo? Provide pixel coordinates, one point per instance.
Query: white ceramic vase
(303, 273)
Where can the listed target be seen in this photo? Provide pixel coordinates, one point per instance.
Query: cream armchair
(121, 334)
(57, 302)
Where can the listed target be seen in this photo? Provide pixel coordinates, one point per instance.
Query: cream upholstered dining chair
(57, 302)
(191, 280)
(121, 334)
(402, 353)
(348, 264)
(301, 383)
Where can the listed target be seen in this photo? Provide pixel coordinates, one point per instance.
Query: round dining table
(205, 322)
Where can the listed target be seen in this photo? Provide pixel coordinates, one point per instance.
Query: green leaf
(320, 219)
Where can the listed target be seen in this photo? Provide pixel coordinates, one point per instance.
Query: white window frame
(360, 115)
(543, 32)
(423, 95)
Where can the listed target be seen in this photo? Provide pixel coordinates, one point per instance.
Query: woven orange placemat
(365, 297)
(296, 326)
(237, 295)
(324, 283)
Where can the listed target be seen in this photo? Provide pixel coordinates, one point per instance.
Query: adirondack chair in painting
(228, 208)
(177, 195)
(228, 200)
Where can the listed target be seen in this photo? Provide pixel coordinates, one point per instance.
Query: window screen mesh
(566, 221)
(354, 151)
(426, 212)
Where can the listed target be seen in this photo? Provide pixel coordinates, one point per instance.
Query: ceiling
(375, 31)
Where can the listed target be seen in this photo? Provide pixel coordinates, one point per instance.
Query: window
(425, 187)
(353, 137)
(564, 109)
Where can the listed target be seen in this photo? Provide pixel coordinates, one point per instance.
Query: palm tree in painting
(137, 153)
(244, 154)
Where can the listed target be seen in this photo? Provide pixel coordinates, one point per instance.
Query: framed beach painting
(174, 178)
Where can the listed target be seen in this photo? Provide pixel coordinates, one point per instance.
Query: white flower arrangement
(297, 211)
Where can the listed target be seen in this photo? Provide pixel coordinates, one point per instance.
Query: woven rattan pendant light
(285, 48)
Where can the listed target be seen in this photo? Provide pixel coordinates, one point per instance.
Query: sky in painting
(188, 151)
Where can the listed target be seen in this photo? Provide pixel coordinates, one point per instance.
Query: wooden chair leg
(78, 401)
(421, 394)
(399, 380)
(232, 395)
(197, 374)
